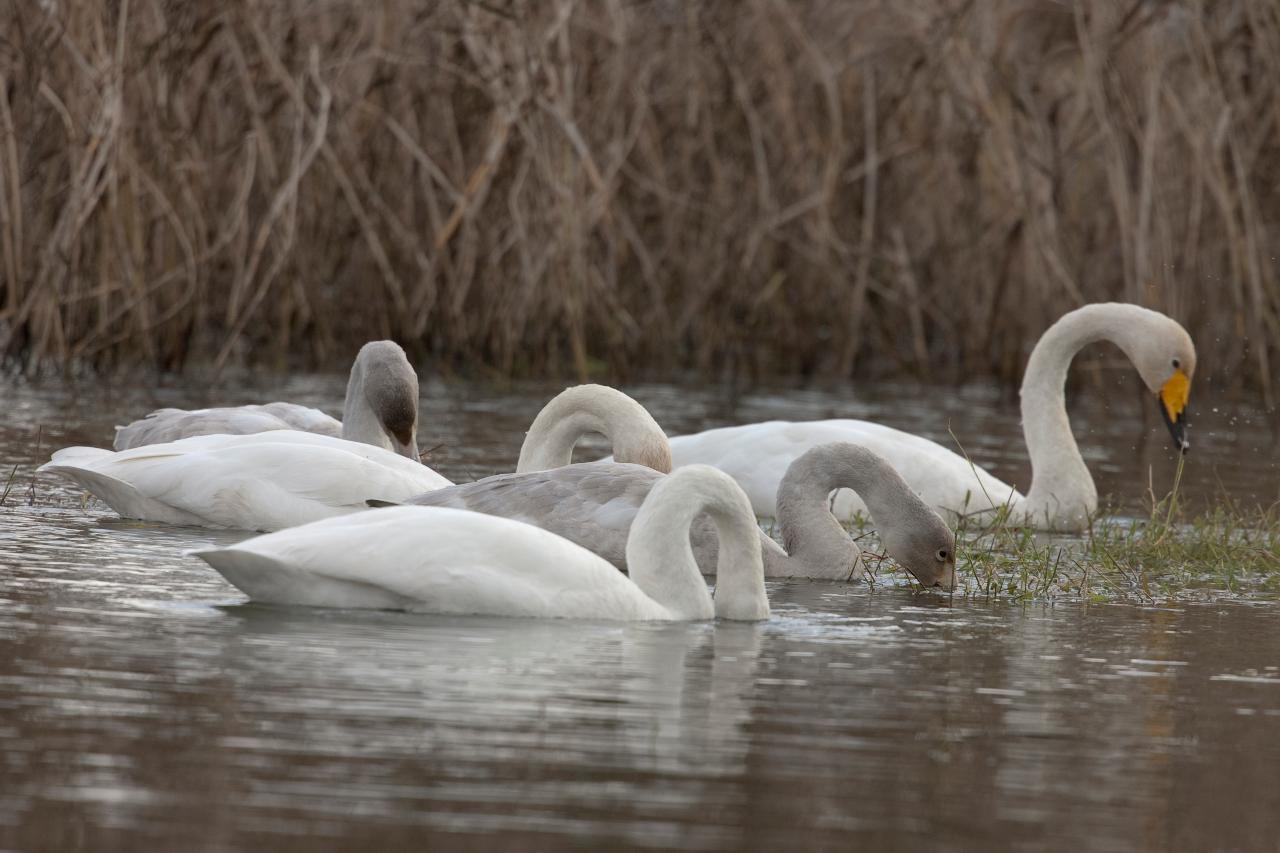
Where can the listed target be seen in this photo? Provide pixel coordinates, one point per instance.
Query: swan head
(390, 388)
(644, 447)
(921, 541)
(1165, 358)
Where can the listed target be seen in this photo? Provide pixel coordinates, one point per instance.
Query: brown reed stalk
(753, 187)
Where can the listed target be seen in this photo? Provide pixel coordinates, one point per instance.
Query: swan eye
(942, 555)
(1177, 363)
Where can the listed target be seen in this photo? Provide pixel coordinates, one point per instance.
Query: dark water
(143, 706)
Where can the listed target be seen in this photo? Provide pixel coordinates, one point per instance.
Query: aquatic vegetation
(1167, 553)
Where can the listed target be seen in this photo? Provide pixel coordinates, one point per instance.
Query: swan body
(165, 425)
(758, 455)
(594, 505)
(444, 560)
(1062, 494)
(381, 409)
(262, 481)
(591, 504)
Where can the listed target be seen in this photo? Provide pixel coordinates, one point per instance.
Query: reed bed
(567, 187)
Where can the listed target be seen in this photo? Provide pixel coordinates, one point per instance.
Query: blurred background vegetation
(620, 187)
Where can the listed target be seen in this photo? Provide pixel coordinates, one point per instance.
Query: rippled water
(144, 706)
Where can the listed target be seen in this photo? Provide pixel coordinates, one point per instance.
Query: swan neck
(550, 441)
(1060, 480)
(811, 535)
(585, 409)
(359, 420)
(660, 555)
(381, 405)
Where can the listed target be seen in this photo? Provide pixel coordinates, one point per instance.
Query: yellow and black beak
(1173, 407)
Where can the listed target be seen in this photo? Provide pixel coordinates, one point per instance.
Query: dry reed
(618, 186)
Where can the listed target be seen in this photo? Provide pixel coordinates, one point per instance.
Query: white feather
(453, 561)
(264, 481)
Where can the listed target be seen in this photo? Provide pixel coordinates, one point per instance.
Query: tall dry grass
(538, 186)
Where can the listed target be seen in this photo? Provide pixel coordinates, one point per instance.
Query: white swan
(436, 560)
(263, 481)
(381, 409)
(595, 503)
(1062, 494)
(583, 409)
(279, 478)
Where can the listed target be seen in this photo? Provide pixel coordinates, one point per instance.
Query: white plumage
(264, 481)
(1062, 495)
(444, 560)
(758, 455)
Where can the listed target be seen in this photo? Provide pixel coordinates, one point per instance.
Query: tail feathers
(73, 456)
(273, 581)
(75, 463)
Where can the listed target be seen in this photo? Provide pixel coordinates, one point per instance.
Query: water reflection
(143, 704)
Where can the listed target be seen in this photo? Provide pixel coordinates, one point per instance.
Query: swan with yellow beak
(1062, 495)
(1174, 395)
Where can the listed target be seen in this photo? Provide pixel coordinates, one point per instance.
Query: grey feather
(592, 505)
(165, 425)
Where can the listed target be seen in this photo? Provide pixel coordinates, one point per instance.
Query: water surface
(143, 705)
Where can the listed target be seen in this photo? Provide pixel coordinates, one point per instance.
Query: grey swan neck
(815, 542)
(381, 405)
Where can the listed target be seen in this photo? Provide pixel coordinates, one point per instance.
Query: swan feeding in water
(279, 478)
(381, 409)
(594, 505)
(441, 560)
(1062, 494)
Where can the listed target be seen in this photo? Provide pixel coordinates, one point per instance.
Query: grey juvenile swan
(381, 409)
(594, 504)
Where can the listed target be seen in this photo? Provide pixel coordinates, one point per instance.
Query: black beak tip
(1177, 429)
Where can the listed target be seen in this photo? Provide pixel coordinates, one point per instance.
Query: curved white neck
(1062, 490)
(660, 556)
(585, 409)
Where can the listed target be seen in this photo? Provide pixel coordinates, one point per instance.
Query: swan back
(381, 406)
(433, 560)
(165, 425)
(660, 556)
(263, 481)
(584, 409)
(592, 504)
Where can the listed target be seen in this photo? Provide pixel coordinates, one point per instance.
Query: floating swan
(440, 560)
(584, 409)
(264, 481)
(595, 503)
(279, 478)
(1062, 495)
(381, 409)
